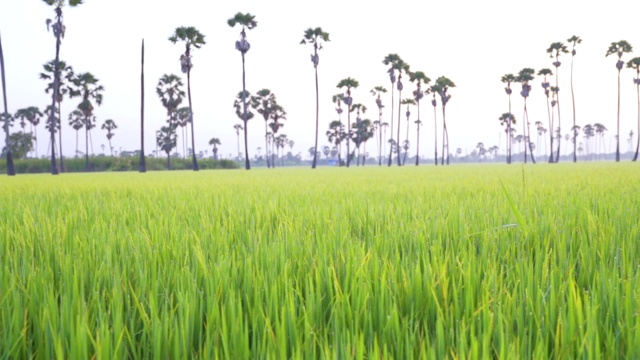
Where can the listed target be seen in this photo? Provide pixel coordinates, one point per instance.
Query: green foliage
(557, 48)
(349, 83)
(61, 3)
(408, 101)
(189, 35)
(245, 20)
(315, 37)
(419, 77)
(20, 144)
(525, 75)
(545, 72)
(209, 265)
(619, 48)
(506, 119)
(634, 64)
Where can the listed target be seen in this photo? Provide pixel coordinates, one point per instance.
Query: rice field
(462, 262)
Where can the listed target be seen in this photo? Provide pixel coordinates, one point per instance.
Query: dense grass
(332, 263)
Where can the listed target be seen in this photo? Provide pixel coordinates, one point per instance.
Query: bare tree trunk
(266, 144)
(11, 171)
(143, 162)
(559, 122)
(391, 130)
(247, 165)
(315, 155)
(573, 101)
(193, 138)
(54, 94)
(635, 157)
(399, 119)
(435, 134)
(86, 143)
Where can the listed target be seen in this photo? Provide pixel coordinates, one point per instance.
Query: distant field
(467, 261)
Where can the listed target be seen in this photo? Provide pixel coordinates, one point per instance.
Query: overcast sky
(473, 43)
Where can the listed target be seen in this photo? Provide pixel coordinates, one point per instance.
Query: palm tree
(360, 134)
(574, 40)
(619, 48)
(87, 87)
(442, 86)
(407, 102)
(238, 128)
(419, 78)
(167, 140)
(506, 120)
(76, 121)
(264, 103)
(191, 38)
(169, 89)
(215, 142)
(376, 92)
(183, 116)
(506, 79)
(277, 114)
(59, 30)
(348, 83)
(546, 86)
(554, 51)
(357, 132)
(524, 76)
(6, 118)
(143, 162)
(65, 76)
(109, 125)
(31, 114)
(600, 130)
(396, 64)
(336, 134)
(434, 102)
(315, 37)
(635, 64)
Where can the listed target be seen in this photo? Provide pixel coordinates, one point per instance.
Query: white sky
(473, 43)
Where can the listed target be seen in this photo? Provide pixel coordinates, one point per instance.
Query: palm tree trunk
(391, 130)
(559, 122)
(380, 136)
(35, 131)
(573, 101)
(524, 131)
(110, 147)
(86, 143)
(405, 153)
(347, 139)
(635, 157)
(618, 138)
(238, 142)
(435, 134)
(399, 119)
(533, 159)
(77, 144)
(418, 136)
(60, 135)
(509, 142)
(266, 144)
(11, 171)
(193, 138)
(54, 93)
(143, 162)
(444, 130)
(315, 155)
(247, 165)
(168, 162)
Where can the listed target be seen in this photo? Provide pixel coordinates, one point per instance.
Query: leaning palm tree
(264, 103)
(574, 40)
(419, 78)
(635, 64)
(191, 38)
(349, 84)
(507, 79)
(407, 102)
(238, 128)
(87, 87)
(315, 37)
(524, 76)
(109, 125)
(245, 116)
(65, 75)
(376, 92)
(442, 86)
(32, 115)
(215, 142)
(76, 121)
(619, 48)
(554, 51)
(59, 30)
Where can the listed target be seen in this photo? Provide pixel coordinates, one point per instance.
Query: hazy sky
(473, 43)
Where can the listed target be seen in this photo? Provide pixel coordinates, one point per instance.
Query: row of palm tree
(552, 94)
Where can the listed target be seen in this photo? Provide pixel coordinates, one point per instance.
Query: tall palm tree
(277, 114)
(215, 142)
(264, 103)
(192, 38)
(376, 92)
(362, 131)
(524, 76)
(508, 79)
(442, 86)
(65, 77)
(337, 100)
(395, 63)
(238, 128)
(619, 48)
(574, 40)
(76, 121)
(434, 103)
(401, 67)
(336, 135)
(554, 51)
(167, 140)
(59, 30)
(506, 120)
(87, 87)
(357, 131)
(407, 102)
(547, 91)
(245, 115)
(32, 115)
(349, 84)
(600, 130)
(6, 118)
(109, 125)
(419, 78)
(143, 161)
(635, 64)
(315, 37)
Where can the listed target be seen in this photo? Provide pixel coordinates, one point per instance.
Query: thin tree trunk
(60, 136)
(35, 131)
(399, 119)
(11, 171)
(618, 139)
(559, 122)
(266, 143)
(86, 143)
(635, 157)
(509, 142)
(111, 147)
(418, 136)
(143, 162)
(54, 93)
(247, 165)
(347, 139)
(168, 161)
(573, 101)
(444, 130)
(315, 155)
(391, 130)
(380, 152)
(193, 138)
(77, 144)
(435, 134)
(405, 153)
(533, 159)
